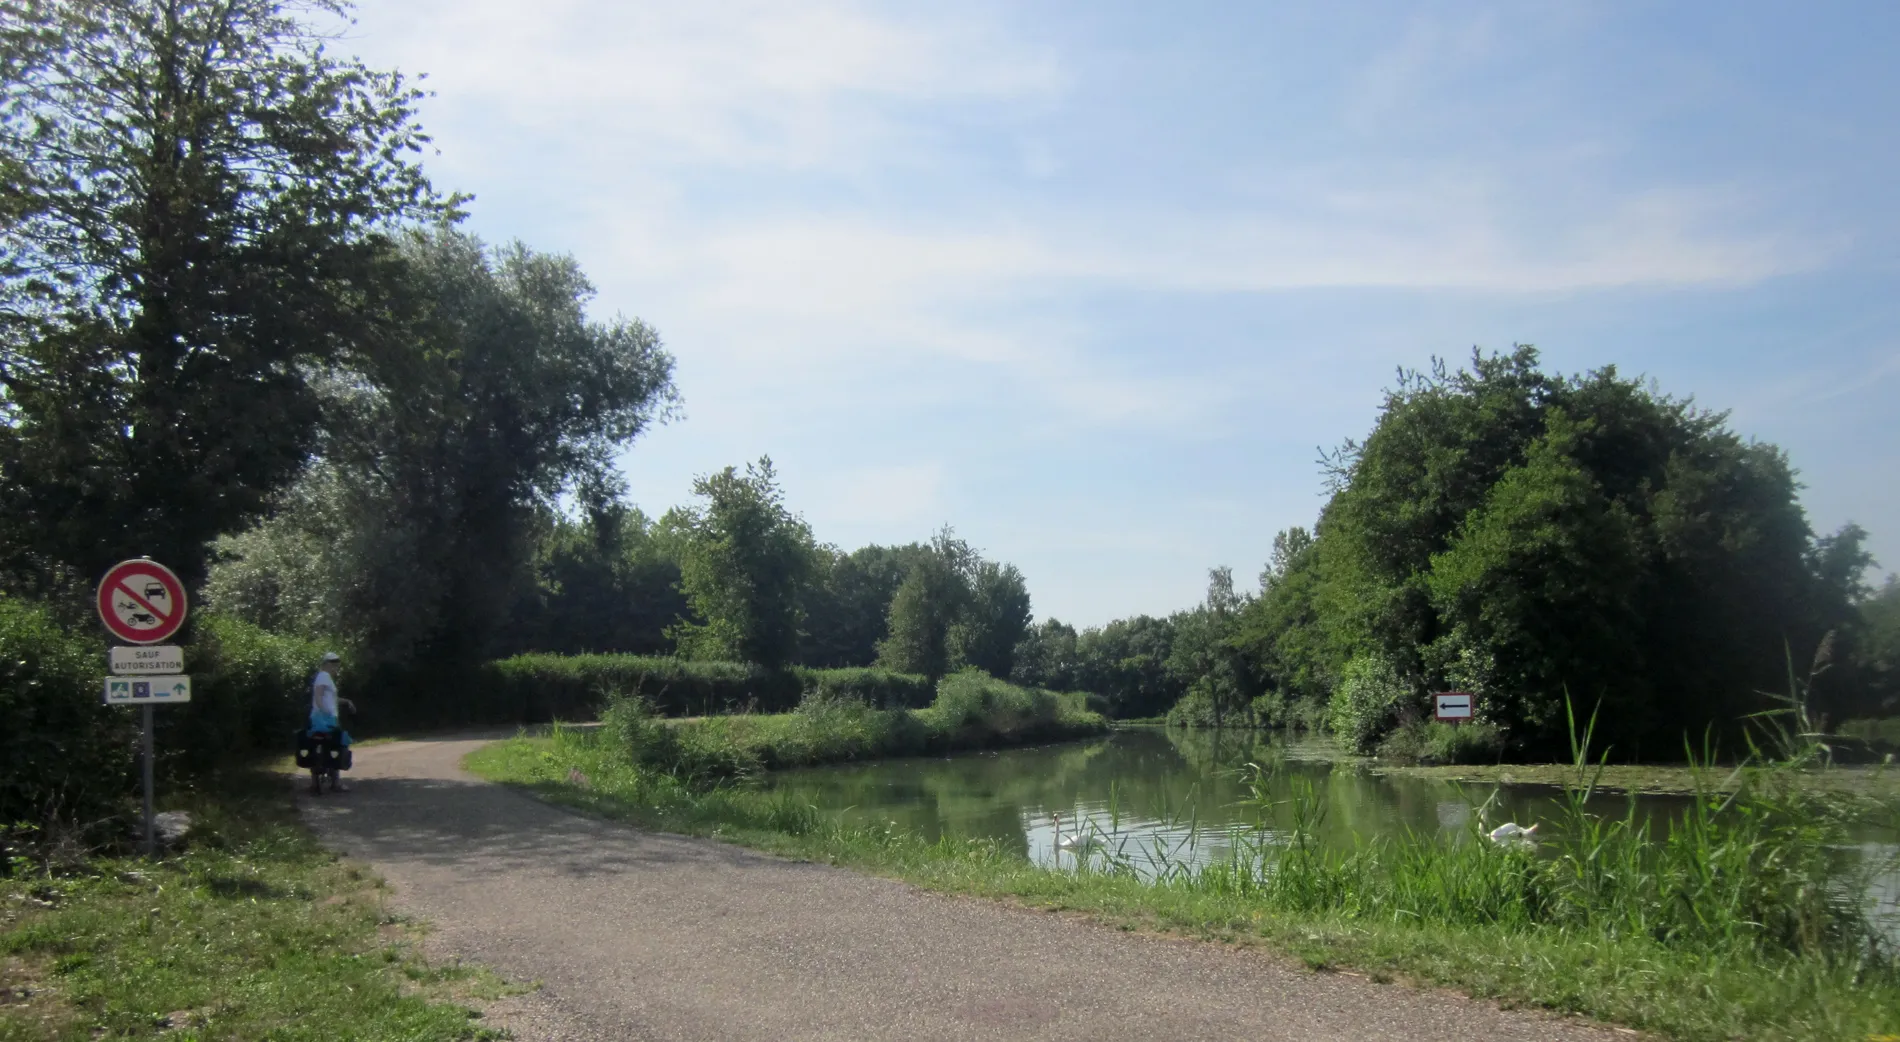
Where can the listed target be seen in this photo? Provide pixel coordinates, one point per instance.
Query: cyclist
(323, 703)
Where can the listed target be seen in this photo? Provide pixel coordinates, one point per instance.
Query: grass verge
(1660, 779)
(250, 930)
(1613, 971)
(971, 711)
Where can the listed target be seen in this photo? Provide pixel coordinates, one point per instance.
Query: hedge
(877, 688)
(536, 688)
(69, 763)
(66, 759)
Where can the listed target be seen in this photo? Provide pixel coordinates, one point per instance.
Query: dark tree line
(738, 577)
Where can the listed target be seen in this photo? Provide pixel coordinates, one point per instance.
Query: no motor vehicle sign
(141, 601)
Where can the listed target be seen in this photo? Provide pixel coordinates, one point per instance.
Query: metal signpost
(1452, 707)
(142, 603)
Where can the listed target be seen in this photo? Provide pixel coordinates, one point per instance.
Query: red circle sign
(141, 601)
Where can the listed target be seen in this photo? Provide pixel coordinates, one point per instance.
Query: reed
(1747, 919)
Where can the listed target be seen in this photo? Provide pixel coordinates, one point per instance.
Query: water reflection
(1182, 790)
(1184, 794)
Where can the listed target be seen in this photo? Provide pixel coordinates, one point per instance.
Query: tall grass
(971, 711)
(1759, 865)
(1713, 933)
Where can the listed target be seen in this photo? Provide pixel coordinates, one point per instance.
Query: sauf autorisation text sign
(142, 603)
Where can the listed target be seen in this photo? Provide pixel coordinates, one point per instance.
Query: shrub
(250, 689)
(1367, 702)
(538, 688)
(879, 688)
(974, 701)
(65, 758)
(971, 710)
(1432, 742)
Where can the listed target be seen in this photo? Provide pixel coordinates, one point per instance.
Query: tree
(994, 621)
(603, 584)
(196, 214)
(931, 599)
(743, 565)
(847, 609)
(489, 397)
(1534, 534)
(1204, 655)
(1538, 595)
(1047, 657)
(1281, 633)
(1876, 655)
(1126, 662)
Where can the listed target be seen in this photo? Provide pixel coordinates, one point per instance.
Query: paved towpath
(644, 936)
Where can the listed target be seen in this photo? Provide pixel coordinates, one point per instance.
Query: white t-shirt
(323, 693)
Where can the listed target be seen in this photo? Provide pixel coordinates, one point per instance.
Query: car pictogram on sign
(141, 602)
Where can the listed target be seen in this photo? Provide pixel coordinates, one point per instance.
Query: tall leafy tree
(1206, 656)
(196, 211)
(490, 395)
(1876, 656)
(1047, 656)
(847, 606)
(603, 584)
(995, 619)
(1126, 661)
(742, 566)
(1528, 534)
(932, 598)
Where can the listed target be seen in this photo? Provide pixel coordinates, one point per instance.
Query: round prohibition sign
(141, 602)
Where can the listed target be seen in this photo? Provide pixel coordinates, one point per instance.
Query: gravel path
(637, 935)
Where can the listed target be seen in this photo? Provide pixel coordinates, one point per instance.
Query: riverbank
(249, 929)
(1484, 920)
(1879, 780)
(970, 711)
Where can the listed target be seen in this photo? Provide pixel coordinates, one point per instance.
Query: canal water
(1153, 797)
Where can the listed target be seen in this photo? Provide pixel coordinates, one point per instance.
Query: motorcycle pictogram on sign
(141, 602)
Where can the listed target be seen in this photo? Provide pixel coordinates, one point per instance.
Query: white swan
(1512, 832)
(1076, 841)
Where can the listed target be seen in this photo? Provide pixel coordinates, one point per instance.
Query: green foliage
(1369, 701)
(252, 931)
(744, 561)
(994, 620)
(540, 687)
(1048, 656)
(972, 710)
(199, 201)
(492, 394)
(68, 763)
(605, 583)
(1281, 632)
(1206, 656)
(250, 690)
(1431, 743)
(878, 688)
(1521, 534)
(932, 599)
(847, 608)
(65, 759)
(1876, 655)
(1539, 593)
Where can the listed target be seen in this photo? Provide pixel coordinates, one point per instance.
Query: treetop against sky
(1095, 282)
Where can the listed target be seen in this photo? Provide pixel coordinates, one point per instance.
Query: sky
(1095, 283)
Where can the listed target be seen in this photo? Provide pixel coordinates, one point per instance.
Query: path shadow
(478, 827)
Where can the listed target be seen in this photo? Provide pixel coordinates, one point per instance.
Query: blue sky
(1093, 282)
